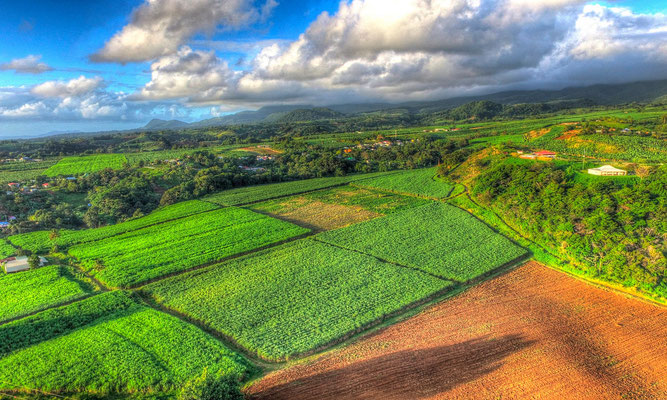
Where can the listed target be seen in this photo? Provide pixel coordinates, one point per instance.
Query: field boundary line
(67, 303)
(221, 260)
(442, 278)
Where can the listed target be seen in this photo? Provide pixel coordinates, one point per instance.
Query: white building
(18, 264)
(607, 170)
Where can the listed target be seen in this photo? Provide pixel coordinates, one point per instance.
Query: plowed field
(531, 333)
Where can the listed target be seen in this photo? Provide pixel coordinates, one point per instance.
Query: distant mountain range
(613, 94)
(640, 92)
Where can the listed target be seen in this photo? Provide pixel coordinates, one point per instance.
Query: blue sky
(242, 54)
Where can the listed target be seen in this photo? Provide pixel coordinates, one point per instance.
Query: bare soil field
(531, 333)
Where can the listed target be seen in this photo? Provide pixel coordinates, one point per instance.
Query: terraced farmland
(86, 164)
(420, 182)
(108, 343)
(436, 238)
(138, 256)
(42, 241)
(35, 290)
(295, 298)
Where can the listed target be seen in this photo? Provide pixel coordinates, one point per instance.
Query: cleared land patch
(43, 241)
(86, 164)
(292, 299)
(337, 207)
(108, 343)
(531, 333)
(138, 256)
(420, 182)
(34, 290)
(436, 238)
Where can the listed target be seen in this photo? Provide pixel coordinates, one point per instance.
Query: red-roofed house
(545, 153)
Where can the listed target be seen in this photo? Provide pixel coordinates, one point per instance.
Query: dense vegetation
(45, 241)
(108, 343)
(295, 298)
(436, 238)
(610, 230)
(423, 182)
(86, 164)
(135, 257)
(30, 291)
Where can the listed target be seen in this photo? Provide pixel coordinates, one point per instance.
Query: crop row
(30, 291)
(420, 182)
(294, 298)
(246, 195)
(138, 256)
(43, 241)
(6, 249)
(86, 164)
(436, 238)
(108, 343)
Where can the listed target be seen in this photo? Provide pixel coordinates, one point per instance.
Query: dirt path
(531, 333)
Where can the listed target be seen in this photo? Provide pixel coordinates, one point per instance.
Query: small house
(46, 185)
(607, 170)
(545, 154)
(13, 185)
(4, 224)
(18, 264)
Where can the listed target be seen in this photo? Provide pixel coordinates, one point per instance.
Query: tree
(212, 387)
(643, 171)
(33, 261)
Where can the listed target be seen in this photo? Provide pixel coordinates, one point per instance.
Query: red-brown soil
(531, 333)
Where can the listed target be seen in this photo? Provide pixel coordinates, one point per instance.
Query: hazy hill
(160, 124)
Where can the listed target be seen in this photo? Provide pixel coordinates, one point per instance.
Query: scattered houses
(607, 170)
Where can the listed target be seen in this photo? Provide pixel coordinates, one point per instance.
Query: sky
(92, 66)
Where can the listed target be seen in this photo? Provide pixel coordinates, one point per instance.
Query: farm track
(564, 339)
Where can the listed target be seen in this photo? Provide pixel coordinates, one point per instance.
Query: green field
(41, 241)
(420, 182)
(108, 343)
(6, 249)
(252, 194)
(295, 298)
(26, 292)
(436, 238)
(86, 164)
(138, 256)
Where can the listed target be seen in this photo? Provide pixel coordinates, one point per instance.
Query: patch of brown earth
(537, 134)
(531, 333)
(261, 150)
(569, 134)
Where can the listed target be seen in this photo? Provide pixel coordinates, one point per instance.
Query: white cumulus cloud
(159, 27)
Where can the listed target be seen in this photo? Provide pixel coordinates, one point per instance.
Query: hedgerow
(43, 241)
(138, 256)
(30, 291)
(436, 238)
(6, 250)
(106, 344)
(295, 298)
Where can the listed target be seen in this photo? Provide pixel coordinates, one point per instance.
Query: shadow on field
(408, 374)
